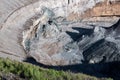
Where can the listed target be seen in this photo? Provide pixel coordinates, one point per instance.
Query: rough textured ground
(76, 35)
(37, 29)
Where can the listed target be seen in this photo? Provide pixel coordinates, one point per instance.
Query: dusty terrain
(61, 34)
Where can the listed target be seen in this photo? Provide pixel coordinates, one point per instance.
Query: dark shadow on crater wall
(115, 27)
(111, 69)
(82, 31)
(88, 53)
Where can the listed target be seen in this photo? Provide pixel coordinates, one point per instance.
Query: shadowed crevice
(82, 31)
(110, 69)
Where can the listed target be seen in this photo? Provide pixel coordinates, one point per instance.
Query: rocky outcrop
(106, 49)
(48, 41)
(89, 44)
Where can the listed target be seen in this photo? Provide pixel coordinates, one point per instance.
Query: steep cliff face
(46, 30)
(107, 8)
